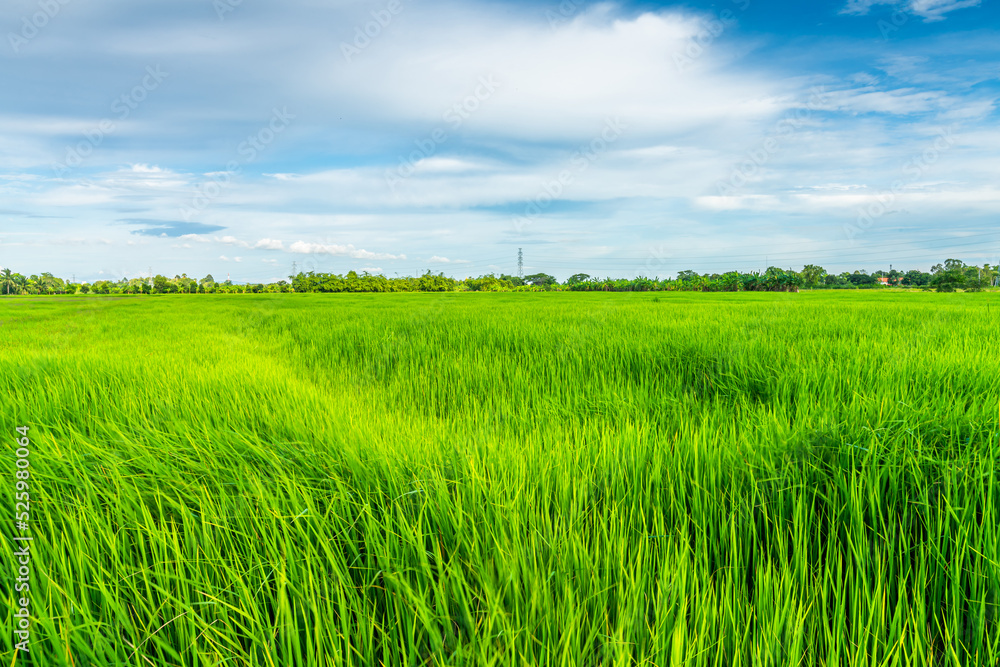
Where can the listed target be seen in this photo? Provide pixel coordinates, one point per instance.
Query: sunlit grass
(559, 479)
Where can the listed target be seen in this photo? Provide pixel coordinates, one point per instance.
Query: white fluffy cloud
(471, 129)
(929, 10)
(306, 248)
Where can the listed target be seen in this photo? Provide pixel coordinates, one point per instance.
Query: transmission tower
(520, 263)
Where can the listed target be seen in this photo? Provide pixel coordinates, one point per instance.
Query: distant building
(882, 280)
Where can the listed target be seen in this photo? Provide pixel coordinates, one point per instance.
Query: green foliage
(7, 283)
(541, 279)
(488, 284)
(515, 281)
(862, 279)
(916, 278)
(687, 276)
(951, 275)
(812, 275)
(352, 282)
(162, 285)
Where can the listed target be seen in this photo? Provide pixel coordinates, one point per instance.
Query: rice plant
(508, 479)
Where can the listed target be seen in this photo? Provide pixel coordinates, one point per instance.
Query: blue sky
(235, 137)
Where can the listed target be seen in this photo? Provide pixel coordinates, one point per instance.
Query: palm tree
(22, 284)
(7, 280)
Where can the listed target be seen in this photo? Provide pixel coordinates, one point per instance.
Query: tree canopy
(949, 276)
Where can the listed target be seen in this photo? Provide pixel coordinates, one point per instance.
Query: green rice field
(731, 479)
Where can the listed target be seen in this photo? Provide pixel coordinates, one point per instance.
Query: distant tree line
(950, 276)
